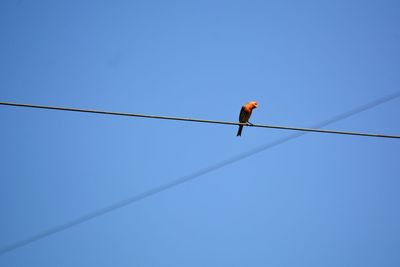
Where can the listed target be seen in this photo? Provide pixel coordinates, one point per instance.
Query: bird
(245, 114)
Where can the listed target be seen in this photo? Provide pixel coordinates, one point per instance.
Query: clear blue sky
(319, 200)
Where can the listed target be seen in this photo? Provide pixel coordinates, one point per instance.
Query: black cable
(197, 120)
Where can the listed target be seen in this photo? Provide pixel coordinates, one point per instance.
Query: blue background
(319, 200)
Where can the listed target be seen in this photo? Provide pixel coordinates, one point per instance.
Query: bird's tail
(239, 133)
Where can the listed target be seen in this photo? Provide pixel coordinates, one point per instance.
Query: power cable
(197, 120)
(187, 178)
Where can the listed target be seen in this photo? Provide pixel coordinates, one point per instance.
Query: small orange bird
(245, 114)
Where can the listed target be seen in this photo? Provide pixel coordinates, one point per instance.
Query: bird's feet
(250, 124)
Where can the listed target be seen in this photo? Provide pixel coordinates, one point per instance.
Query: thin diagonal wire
(187, 178)
(199, 120)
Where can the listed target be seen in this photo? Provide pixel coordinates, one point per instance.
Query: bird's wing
(243, 115)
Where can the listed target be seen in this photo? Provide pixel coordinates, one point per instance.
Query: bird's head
(253, 104)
